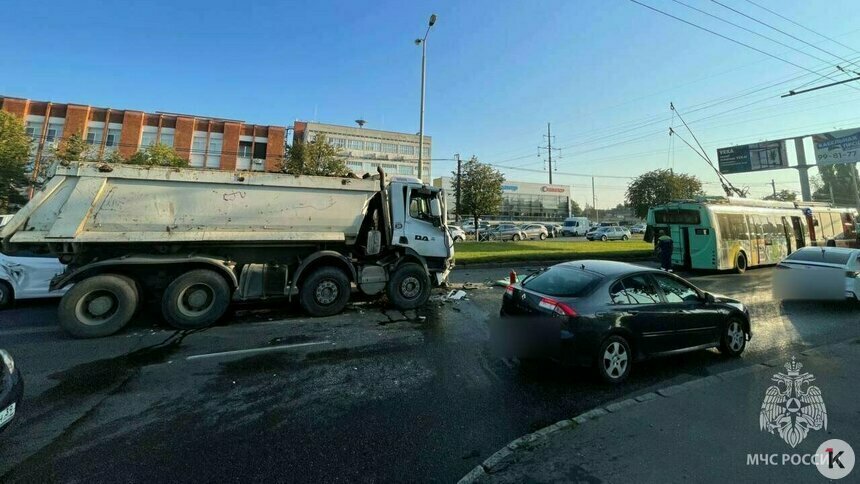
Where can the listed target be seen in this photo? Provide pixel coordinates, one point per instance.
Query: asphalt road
(370, 395)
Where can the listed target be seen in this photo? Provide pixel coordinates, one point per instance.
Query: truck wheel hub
(95, 307)
(196, 299)
(326, 292)
(410, 287)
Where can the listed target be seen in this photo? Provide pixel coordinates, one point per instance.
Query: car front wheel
(604, 238)
(614, 359)
(543, 236)
(734, 339)
(624, 237)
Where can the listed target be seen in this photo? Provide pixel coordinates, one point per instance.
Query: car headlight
(8, 361)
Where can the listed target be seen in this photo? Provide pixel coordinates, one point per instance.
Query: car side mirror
(709, 298)
(435, 208)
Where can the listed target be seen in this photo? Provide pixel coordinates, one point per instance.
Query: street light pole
(423, 43)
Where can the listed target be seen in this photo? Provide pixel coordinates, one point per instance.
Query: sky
(602, 72)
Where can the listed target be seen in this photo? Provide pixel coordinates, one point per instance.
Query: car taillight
(559, 308)
(509, 291)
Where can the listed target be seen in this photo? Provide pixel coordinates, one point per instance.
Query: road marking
(13, 332)
(255, 350)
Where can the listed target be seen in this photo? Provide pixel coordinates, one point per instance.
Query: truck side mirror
(435, 208)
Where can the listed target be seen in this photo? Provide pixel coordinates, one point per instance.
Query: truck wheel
(409, 286)
(196, 299)
(6, 294)
(325, 292)
(98, 306)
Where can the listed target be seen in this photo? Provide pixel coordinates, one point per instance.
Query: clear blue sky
(497, 72)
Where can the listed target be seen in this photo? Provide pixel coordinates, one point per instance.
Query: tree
(317, 158)
(73, 148)
(14, 149)
(782, 196)
(156, 155)
(575, 209)
(481, 187)
(836, 184)
(658, 187)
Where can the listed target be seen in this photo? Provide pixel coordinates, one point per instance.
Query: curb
(491, 464)
(509, 264)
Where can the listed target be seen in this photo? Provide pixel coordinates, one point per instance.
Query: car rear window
(825, 256)
(562, 282)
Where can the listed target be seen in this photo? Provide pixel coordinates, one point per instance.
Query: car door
(696, 323)
(32, 275)
(638, 307)
(422, 231)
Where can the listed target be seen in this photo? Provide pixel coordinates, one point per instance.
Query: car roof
(838, 250)
(606, 267)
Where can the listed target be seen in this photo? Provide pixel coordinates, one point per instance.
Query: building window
(213, 157)
(148, 137)
(243, 157)
(373, 146)
(198, 150)
(337, 142)
(353, 166)
(54, 133)
(407, 150)
(166, 138)
(389, 148)
(112, 140)
(94, 135)
(356, 144)
(34, 130)
(405, 170)
(426, 152)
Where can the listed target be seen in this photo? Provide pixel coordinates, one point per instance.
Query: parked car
(457, 234)
(608, 233)
(535, 231)
(27, 277)
(11, 389)
(554, 230)
(638, 229)
(469, 227)
(609, 314)
(819, 273)
(575, 226)
(504, 232)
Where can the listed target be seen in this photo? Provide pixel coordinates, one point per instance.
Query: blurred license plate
(7, 414)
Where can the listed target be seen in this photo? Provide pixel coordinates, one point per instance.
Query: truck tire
(196, 299)
(409, 286)
(98, 306)
(325, 292)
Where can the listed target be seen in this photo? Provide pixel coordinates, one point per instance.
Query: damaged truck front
(195, 240)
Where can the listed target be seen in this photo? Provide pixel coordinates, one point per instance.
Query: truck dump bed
(89, 203)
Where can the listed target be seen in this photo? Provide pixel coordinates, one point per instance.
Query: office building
(206, 142)
(365, 149)
(520, 201)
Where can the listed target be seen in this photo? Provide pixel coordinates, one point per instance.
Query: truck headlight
(8, 361)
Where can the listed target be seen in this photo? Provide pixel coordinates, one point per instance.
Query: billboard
(837, 147)
(769, 155)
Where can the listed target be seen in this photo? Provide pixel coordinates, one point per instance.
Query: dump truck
(194, 240)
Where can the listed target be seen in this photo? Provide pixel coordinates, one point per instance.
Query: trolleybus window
(686, 217)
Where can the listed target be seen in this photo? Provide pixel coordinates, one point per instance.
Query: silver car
(535, 231)
(609, 233)
(819, 273)
(457, 234)
(504, 232)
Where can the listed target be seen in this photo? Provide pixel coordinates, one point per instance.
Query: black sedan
(11, 389)
(609, 314)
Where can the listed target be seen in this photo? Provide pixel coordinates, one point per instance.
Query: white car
(457, 234)
(27, 277)
(819, 273)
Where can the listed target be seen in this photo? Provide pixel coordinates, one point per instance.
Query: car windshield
(820, 255)
(561, 281)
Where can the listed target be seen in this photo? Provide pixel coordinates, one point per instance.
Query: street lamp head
(418, 41)
(432, 19)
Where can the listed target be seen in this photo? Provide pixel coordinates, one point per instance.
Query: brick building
(215, 143)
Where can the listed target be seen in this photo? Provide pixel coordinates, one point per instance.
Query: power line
(803, 27)
(725, 37)
(783, 32)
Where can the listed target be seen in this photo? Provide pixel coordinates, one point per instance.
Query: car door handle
(631, 312)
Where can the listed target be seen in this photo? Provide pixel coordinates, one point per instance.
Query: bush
(158, 155)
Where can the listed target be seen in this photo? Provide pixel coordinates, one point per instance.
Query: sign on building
(837, 147)
(769, 155)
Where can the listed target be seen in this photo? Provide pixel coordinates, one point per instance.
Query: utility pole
(459, 188)
(594, 202)
(548, 149)
(773, 185)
